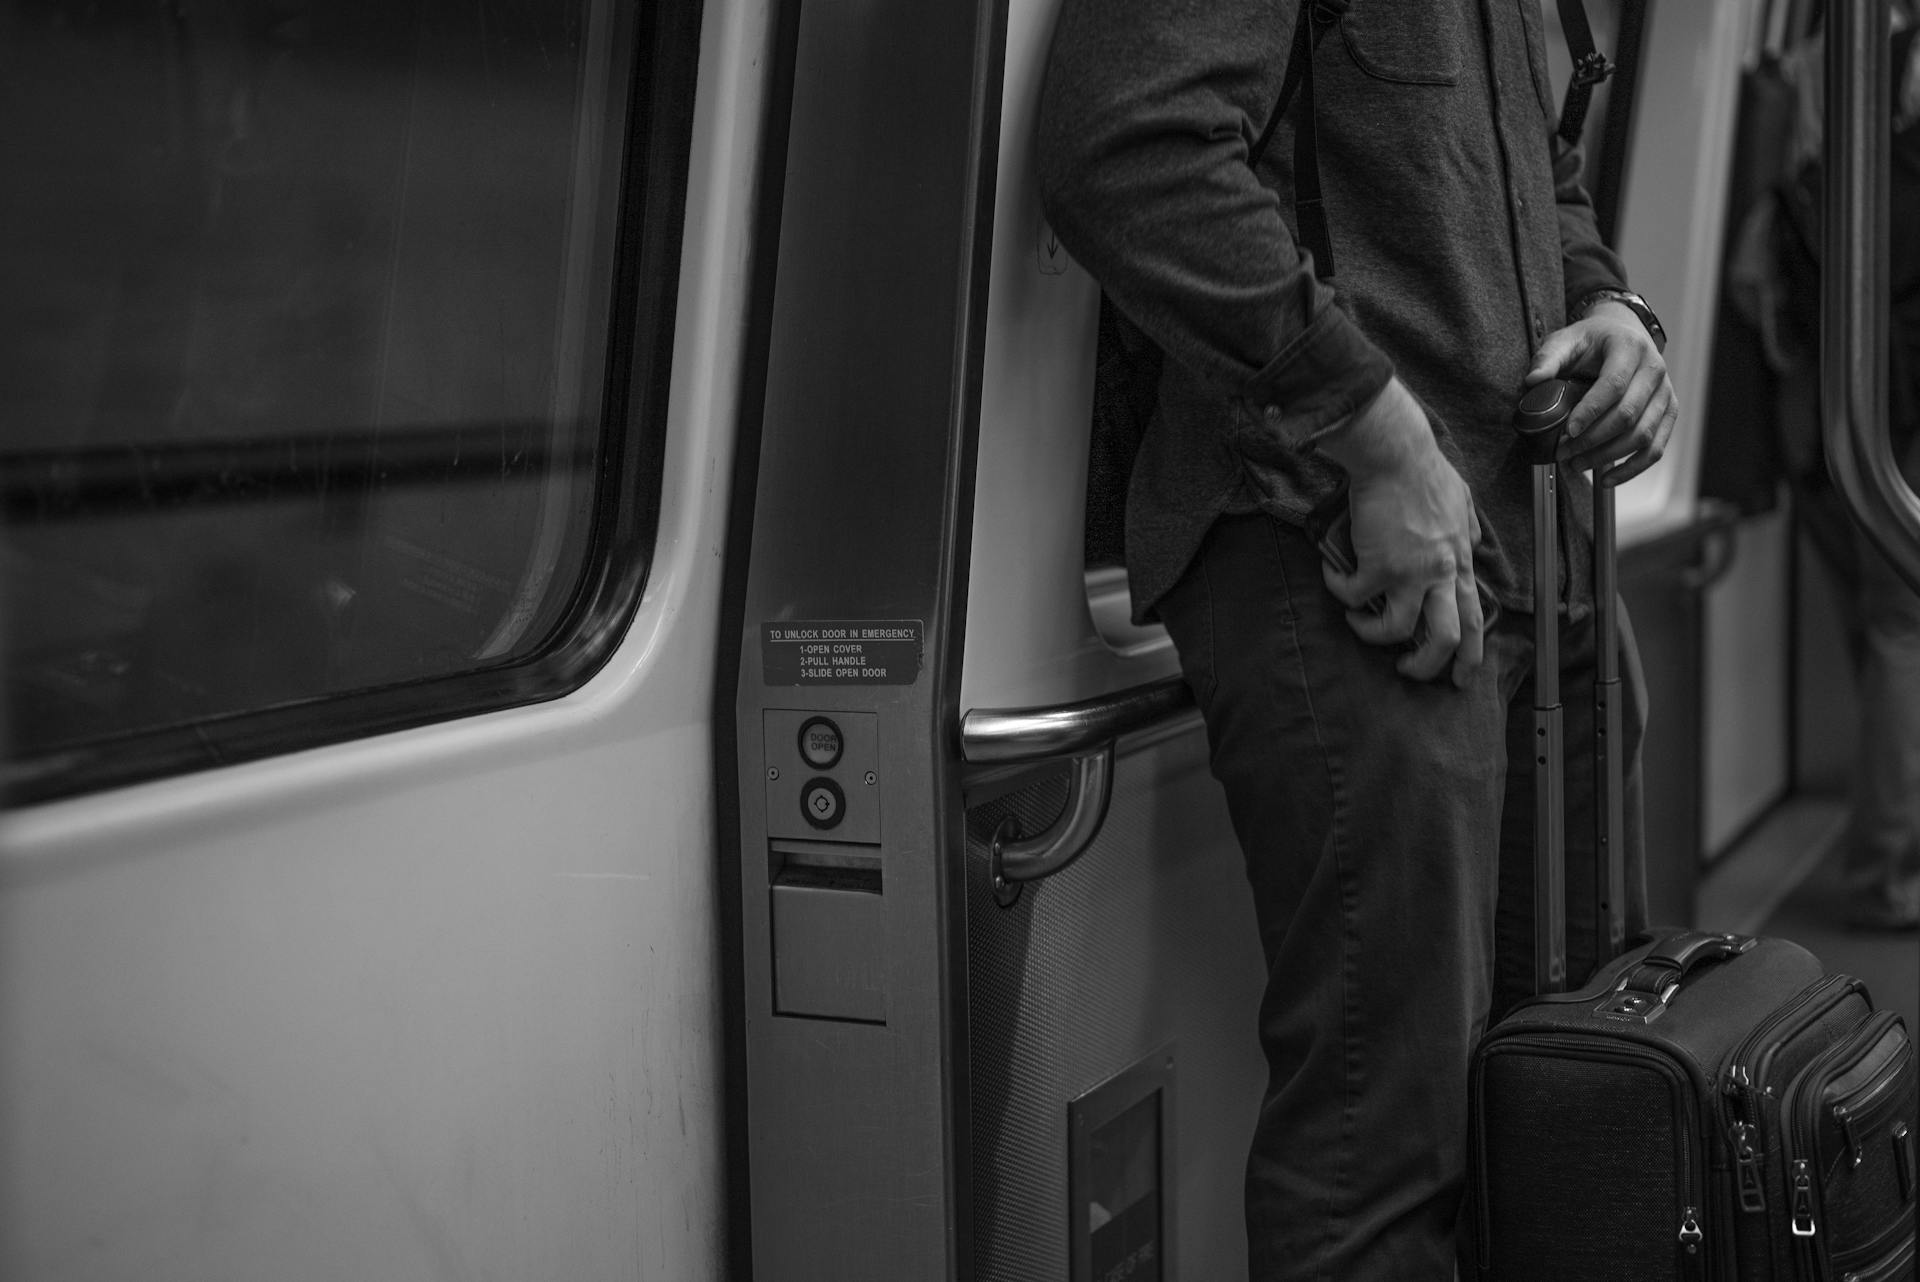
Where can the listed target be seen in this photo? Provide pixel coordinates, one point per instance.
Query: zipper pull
(1903, 1158)
(1739, 1088)
(1753, 1192)
(1738, 1081)
(1692, 1242)
(1844, 1115)
(1803, 1225)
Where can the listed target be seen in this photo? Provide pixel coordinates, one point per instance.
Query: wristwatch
(1632, 302)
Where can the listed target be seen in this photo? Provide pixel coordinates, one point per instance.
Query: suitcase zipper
(1903, 1159)
(1804, 1225)
(1803, 1222)
(1752, 1189)
(1746, 1130)
(1693, 1263)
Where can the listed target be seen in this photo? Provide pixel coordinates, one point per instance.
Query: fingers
(1390, 623)
(1619, 377)
(1453, 632)
(1356, 591)
(1633, 431)
(1635, 464)
(1413, 528)
(1442, 641)
(1609, 435)
(1564, 349)
(1473, 625)
(1626, 417)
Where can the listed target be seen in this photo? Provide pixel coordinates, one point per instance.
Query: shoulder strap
(1315, 19)
(1589, 69)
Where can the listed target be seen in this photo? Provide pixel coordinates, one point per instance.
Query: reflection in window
(301, 349)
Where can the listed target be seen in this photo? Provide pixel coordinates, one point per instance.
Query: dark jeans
(1387, 827)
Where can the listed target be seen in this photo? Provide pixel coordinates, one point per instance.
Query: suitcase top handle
(1677, 956)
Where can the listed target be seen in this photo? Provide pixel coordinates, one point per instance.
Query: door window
(309, 391)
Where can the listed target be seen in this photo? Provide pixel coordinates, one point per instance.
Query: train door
(367, 368)
(997, 962)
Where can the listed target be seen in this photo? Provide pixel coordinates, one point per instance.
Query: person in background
(1774, 280)
(1882, 871)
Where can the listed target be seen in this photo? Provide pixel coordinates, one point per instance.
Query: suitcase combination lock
(1634, 1008)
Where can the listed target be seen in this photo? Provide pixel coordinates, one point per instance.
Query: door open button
(820, 743)
(822, 803)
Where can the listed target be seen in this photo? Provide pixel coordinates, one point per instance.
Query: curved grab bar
(997, 736)
(1853, 292)
(1084, 731)
(1014, 859)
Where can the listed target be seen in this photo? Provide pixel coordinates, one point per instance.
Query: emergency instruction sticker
(883, 652)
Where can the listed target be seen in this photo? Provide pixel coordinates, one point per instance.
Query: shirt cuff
(1319, 379)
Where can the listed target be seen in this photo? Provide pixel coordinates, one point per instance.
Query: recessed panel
(1119, 1199)
(823, 776)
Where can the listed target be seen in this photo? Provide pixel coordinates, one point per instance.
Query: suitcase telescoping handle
(1541, 420)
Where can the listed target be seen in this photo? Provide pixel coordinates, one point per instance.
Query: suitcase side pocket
(1849, 1117)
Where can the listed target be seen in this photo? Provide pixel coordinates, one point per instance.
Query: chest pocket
(1409, 42)
(1537, 62)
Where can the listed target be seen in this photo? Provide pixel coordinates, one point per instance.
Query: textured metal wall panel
(1148, 939)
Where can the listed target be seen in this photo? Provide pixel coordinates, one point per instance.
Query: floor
(1888, 962)
(1784, 879)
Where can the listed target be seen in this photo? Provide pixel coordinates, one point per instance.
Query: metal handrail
(1085, 733)
(998, 736)
(1014, 859)
(1854, 287)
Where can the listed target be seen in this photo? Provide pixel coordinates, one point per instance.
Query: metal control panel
(825, 874)
(850, 837)
(823, 776)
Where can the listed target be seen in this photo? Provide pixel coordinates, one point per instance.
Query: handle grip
(1541, 417)
(1677, 956)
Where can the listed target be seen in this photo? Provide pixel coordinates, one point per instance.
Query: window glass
(303, 339)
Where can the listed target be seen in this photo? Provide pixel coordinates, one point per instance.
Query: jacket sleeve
(1148, 114)
(1589, 264)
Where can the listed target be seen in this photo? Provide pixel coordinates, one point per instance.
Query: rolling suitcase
(1705, 1106)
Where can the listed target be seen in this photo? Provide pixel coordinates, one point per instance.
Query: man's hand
(1627, 415)
(1414, 531)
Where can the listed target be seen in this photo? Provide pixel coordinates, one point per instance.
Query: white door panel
(437, 1004)
(1030, 638)
(1671, 219)
(425, 1027)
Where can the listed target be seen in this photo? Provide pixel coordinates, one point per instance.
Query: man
(1382, 796)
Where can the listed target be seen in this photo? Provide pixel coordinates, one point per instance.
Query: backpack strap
(1315, 19)
(1590, 67)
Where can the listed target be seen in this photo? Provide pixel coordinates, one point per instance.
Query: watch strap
(1632, 302)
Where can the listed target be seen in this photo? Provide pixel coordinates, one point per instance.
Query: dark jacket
(1460, 229)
